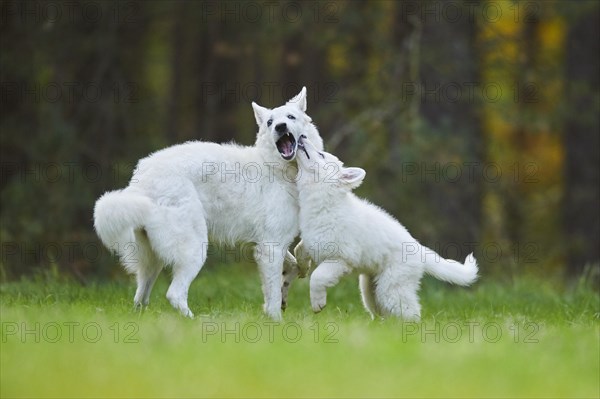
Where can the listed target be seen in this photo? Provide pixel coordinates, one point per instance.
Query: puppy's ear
(299, 100)
(260, 113)
(352, 177)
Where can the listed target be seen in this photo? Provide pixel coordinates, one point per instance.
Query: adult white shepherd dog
(180, 196)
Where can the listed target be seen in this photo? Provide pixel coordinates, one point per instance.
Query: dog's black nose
(281, 128)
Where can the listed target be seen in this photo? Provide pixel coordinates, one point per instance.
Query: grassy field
(519, 339)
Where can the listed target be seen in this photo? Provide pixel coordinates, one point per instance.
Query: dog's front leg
(269, 257)
(326, 275)
(290, 272)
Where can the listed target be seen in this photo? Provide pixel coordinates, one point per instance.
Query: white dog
(180, 196)
(342, 233)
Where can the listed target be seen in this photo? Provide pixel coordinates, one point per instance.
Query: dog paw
(318, 308)
(318, 304)
(187, 313)
(273, 314)
(303, 259)
(304, 267)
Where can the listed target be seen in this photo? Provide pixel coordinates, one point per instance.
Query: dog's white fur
(342, 233)
(182, 195)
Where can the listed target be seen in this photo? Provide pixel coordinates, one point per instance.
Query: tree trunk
(581, 210)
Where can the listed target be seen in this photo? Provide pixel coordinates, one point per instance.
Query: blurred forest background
(477, 121)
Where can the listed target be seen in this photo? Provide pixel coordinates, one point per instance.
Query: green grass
(523, 339)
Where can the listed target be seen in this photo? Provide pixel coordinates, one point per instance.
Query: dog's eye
(269, 122)
(292, 117)
(322, 155)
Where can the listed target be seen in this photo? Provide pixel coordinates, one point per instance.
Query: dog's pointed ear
(299, 100)
(260, 113)
(352, 177)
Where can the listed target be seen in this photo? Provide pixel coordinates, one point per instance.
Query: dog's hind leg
(185, 270)
(147, 269)
(178, 234)
(190, 255)
(396, 292)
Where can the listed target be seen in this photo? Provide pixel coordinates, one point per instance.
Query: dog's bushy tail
(117, 214)
(452, 271)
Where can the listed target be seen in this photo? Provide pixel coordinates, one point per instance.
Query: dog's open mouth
(287, 146)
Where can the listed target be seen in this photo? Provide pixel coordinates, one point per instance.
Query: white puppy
(343, 233)
(180, 196)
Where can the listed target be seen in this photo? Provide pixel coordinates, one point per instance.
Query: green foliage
(381, 78)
